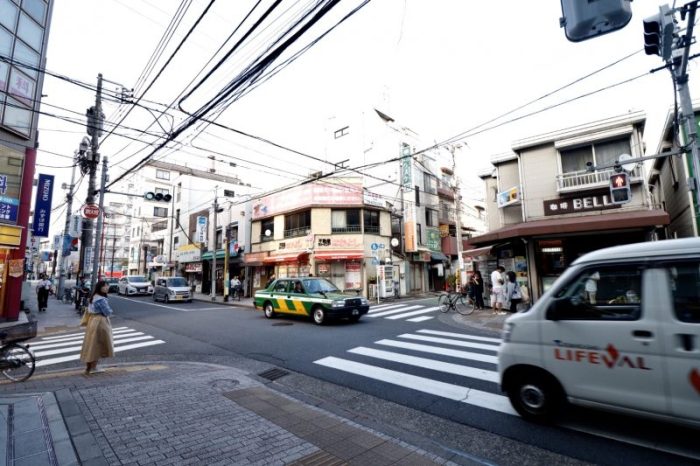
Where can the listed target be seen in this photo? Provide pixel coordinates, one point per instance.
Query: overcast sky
(439, 67)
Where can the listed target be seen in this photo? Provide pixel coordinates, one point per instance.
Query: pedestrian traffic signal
(620, 192)
(658, 33)
(74, 244)
(157, 197)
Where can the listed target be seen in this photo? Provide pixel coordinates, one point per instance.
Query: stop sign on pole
(91, 211)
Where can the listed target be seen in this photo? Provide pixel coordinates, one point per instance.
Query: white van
(619, 330)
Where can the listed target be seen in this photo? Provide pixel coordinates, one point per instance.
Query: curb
(222, 303)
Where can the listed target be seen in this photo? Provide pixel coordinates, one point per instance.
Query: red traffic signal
(620, 192)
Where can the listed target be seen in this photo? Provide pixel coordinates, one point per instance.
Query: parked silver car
(172, 289)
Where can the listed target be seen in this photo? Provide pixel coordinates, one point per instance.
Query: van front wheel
(536, 397)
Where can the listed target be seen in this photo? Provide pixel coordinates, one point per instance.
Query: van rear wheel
(536, 397)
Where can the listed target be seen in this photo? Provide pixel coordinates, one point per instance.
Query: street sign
(76, 226)
(374, 246)
(91, 211)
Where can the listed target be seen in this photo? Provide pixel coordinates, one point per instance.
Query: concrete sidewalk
(177, 412)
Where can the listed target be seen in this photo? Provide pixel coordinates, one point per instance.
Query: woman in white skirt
(97, 343)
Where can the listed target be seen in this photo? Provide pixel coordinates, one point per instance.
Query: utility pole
(172, 225)
(213, 253)
(405, 153)
(100, 220)
(114, 248)
(458, 213)
(66, 230)
(226, 241)
(94, 129)
(680, 68)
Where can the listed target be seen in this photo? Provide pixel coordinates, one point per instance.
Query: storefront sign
(332, 191)
(406, 168)
(339, 242)
(323, 269)
(193, 267)
(508, 197)
(373, 199)
(189, 253)
(578, 204)
(8, 207)
(42, 206)
(444, 231)
(201, 232)
(353, 275)
(16, 267)
(433, 239)
(410, 230)
(76, 226)
(297, 244)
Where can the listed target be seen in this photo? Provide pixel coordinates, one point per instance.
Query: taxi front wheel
(536, 397)
(319, 315)
(269, 311)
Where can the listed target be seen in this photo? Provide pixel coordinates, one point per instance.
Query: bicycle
(460, 302)
(237, 293)
(68, 295)
(17, 362)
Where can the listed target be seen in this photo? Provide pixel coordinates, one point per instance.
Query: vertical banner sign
(201, 234)
(406, 168)
(42, 206)
(410, 229)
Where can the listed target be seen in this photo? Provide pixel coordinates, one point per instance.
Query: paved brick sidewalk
(196, 413)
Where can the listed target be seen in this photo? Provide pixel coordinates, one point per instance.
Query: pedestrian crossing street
(64, 348)
(457, 356)
(411, 313)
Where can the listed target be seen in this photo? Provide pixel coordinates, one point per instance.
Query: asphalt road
(405, 353)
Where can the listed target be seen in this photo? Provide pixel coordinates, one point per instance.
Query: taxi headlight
(338, 303)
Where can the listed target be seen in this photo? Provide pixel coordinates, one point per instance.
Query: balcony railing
(372, 229)
(347, 229)
(445, 192)
(574, 181)
(446, 214)
(296, 232)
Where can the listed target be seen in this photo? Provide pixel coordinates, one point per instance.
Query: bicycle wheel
(17, 362)
(464, 305)
(444, 302)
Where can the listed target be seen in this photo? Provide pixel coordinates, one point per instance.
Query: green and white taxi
(313, 297)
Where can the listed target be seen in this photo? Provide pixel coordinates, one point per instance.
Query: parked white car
(132, 285)
(620, 330)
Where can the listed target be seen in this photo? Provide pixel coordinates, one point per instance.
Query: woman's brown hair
(97, 290)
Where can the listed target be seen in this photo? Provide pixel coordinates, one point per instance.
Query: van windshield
(177, 282)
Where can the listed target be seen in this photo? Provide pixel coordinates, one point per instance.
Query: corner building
(545, 208)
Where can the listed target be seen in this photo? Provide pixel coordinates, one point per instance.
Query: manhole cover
(225, 384)
(281, 324)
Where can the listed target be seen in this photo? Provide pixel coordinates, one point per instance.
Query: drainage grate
(273, 374)
(281, 324)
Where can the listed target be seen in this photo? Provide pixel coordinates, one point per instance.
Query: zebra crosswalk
(460, 357)
(64, 348)
(411, 313)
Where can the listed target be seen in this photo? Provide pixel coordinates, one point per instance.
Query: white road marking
(445, 390)
(460, 335)
(413, 313)
(394, 311)
(382, 306)
(80, 334)
(374, 310)
(51, 352)
(447, 341)
(75, 357)
(150, 303)
(420, 319)
(432, 364)
(443, 351)
(59, 343)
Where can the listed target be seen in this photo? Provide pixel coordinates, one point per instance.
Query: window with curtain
(346, 221)
(606, 153)
(371, 221)
(574, 160)
(600, 154)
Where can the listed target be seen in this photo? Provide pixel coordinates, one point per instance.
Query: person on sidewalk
(476, 285)
(236, 288)
(497, 284)
(513, 297)
(43, 289)
(97, 343)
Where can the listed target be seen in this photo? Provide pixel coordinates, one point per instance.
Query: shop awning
(220, 254)
(478, 251)
(292, 257)
(438, 256)
(338, 255)
(254, 259)
(589, 223)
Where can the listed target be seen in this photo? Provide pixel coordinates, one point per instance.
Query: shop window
(685, 285)
(371, 221)
(8, 14)
(601, 293)
(346, 221)
(431, 218)
(162, 174)
(267, 230)
(160, 211)
(601, 153)
(297, 224)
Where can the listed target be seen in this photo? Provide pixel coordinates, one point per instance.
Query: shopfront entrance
(9, 240)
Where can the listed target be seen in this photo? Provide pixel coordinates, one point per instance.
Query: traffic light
(620, 192)
(157, 197)
(74, 244)
(658, 33)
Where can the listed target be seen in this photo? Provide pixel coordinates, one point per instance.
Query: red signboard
(91, 211)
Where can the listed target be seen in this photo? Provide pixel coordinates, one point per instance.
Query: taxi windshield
(319, 285)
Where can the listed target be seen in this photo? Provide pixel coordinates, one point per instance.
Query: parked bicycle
(68, 295)
(459, 302)
(17, 361)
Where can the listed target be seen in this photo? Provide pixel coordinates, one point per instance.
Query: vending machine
(385, 276)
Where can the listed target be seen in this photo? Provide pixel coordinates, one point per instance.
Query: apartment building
(548, 201)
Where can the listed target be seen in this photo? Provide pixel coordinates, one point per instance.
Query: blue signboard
(42, 206)
(8, 205)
